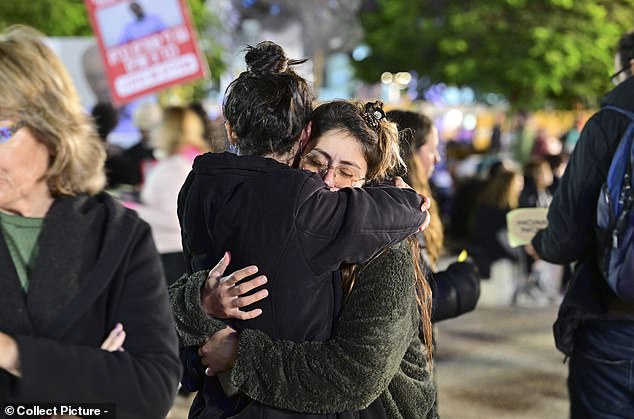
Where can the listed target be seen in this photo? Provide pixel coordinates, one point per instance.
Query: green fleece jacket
(375, 350)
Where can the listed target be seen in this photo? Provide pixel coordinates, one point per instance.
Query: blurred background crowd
(509, 95)
(507, 84)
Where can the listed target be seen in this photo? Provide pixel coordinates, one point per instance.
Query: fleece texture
(375, 350)
(192, 323)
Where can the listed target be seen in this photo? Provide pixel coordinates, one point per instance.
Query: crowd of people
(295, 272)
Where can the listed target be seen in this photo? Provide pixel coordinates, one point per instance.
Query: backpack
(615, 218)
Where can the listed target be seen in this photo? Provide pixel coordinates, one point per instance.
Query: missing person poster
(145, 46)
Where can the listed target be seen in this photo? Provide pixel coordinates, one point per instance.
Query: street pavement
(501, 363)
(492, 363)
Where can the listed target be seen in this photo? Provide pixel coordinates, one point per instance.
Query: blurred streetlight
(393, 84)
(403, 78)
(387, 78)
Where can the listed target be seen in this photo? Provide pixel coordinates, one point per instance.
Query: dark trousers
(601, 376)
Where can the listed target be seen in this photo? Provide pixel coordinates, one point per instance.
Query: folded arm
(455, 290)
(141, 380)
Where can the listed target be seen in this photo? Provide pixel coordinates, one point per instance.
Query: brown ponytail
(386, 158)
(414, 129)
(423, 298)
(423, 292)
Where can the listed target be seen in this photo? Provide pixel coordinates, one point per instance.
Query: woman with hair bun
(285, 221)
(378, 359)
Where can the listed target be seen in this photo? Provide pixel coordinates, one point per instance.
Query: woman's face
(517, 185)
(23, 162)
(544, 176)
(427, 154)
(193, 130)
(338, 157)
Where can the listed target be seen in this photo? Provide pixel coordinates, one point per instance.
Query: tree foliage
(534, 52)
(70, 18)
(51, 17)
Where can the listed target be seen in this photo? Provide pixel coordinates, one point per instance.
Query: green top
(20, 235)
(375, 350)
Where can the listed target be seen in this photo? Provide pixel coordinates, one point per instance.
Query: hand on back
(401, 184)
(222, 296)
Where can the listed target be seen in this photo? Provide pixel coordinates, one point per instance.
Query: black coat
(455, 291)
(287, 223)
(376, 351)
(570, 235)
(97, 265)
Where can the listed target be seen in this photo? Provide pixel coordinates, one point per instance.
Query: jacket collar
(209, 163)
(75, 242)
(68, 245)
(622, 95)
(14, 316)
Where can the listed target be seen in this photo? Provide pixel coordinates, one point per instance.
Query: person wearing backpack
(595, 327)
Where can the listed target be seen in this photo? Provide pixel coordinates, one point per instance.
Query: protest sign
(145, 46)
(523, 224)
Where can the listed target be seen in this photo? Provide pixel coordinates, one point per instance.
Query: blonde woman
(179, 138)
(74, 262)
(377, 363)
(456, 289)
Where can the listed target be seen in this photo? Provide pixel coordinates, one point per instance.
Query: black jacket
(287, 223)
(376, 351)
(455, 290)
(570, 235)
(97, 265)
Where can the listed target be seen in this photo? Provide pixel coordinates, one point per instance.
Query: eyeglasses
(7, 132)
(319, 164)
(614, 76)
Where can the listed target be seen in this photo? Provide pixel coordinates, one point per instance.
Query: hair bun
(266, 57)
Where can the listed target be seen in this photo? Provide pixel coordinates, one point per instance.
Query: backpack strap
(620, 169)
(625, 112)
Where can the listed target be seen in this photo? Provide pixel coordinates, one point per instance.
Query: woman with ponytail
(285, 221)
(456, 289)
(380, 353)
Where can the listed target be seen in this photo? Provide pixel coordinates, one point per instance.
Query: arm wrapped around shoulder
(455, 290)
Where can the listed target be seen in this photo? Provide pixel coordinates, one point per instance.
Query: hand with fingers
(528, 248)
(400, 183)
(219, 351)
(222, 296)
(114, 341)
(424, 208)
